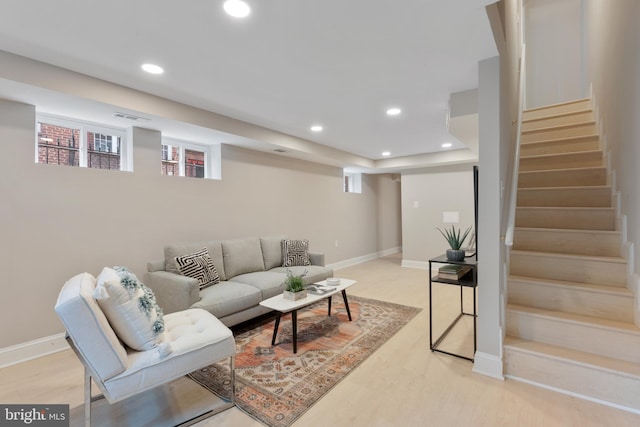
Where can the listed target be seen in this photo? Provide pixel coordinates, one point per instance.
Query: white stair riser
(581, 219)
(590, 338)
(552, 110)
(567, 242)
(567, 197)
(585, 159)
(577, 300)
(565, 119)
(572, 145)
(563, 178)
(569, 269)
(572, 377)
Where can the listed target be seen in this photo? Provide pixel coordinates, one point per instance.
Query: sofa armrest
(316, 258)
(173, 291)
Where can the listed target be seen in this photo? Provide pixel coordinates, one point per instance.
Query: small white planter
(294, 296)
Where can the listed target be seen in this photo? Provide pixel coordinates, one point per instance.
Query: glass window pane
(170, 160)
(194, 163)
(103, 152)
(58, 145)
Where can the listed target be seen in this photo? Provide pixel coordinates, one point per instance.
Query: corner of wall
(488, 365)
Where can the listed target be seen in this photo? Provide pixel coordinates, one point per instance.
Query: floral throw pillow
(131, 309)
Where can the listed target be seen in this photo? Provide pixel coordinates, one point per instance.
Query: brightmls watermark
(34, 415)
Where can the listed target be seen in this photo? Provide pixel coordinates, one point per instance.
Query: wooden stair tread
(572, 153)
(559, 127)
(597, 322)
(569, 208)
(565, 187)
(579, 169)
(570, 230)
(558, 140)
(559, 104)
(574, 356)
(614, 259)
(621, 291)
(558, 115)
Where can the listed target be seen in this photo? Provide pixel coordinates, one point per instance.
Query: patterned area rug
(275, 386)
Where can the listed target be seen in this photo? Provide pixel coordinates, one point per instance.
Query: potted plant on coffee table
(294, 286)
(455, 238)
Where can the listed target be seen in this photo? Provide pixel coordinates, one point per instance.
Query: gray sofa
(250, 271)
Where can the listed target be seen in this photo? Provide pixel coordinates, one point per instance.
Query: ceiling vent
(130, 117)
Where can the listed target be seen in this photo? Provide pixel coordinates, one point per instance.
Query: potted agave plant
(456, 239)
(294, 286)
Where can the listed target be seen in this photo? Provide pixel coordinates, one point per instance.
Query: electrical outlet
(336, 243)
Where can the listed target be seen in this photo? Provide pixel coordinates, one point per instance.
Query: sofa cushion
(130, 307)
(271, 251)
(227, 298)
(242, 256)
(199, 266)
(214, 248)
(270, 283)
(315, 273)
(295, 253)
(197, 338)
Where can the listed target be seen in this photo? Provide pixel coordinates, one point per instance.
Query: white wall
(426, 194)
(57, 221)
(556, 56)
(614, 68)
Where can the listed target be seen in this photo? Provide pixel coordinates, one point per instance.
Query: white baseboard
(364, 258)
(488, 365)
(422, 265)
(32, 349)
(578, 395)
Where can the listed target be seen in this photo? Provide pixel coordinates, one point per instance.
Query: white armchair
(194, 337)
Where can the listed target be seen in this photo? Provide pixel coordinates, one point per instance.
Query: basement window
(68, 142)
(352, 182)
(183, 158)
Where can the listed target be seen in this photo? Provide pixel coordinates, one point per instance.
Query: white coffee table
(283, 306)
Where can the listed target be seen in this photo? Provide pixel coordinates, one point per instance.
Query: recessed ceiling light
(447, 145)
(152, 68)
(386, 153)
(393, 111)
(237, 8)
(316, 128)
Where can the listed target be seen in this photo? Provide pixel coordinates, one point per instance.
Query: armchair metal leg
(233, 380)
(87, 398)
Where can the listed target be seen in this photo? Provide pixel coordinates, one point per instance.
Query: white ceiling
(289, 65)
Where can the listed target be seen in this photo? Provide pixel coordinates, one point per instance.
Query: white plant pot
(294, 296)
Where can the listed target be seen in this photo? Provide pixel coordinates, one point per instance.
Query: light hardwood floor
(401, 384)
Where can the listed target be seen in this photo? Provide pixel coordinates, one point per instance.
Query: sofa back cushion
(242, 256)
(214, 248)
(88, 327)
(271, 251)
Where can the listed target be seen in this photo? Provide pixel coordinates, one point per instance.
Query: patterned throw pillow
(131, 309)
(199, 265)
(295, 253)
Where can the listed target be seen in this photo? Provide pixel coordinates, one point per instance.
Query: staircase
(570, 316)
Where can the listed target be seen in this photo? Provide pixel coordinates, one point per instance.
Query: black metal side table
(469, 280)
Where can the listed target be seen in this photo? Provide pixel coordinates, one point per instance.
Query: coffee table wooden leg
(294, 325)
(329, 312)
(346, 303)
(275, 328)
